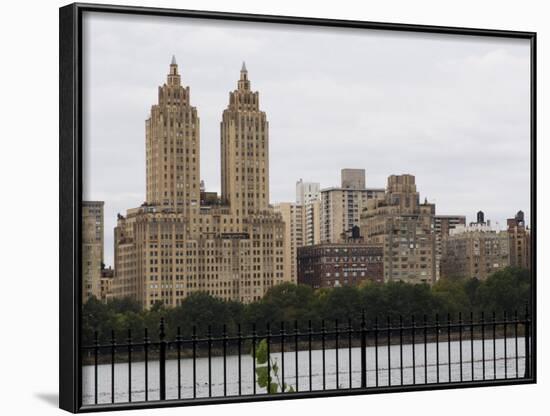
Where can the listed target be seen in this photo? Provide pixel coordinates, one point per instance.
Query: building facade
(92, 248)
(404, 227)
(340, 264)
(245, 151)
(184, 239)
(302, 223)
(341, 207)
(172, 136)
(294, 237)
(474, 251)
(443, 224)
(519, 237)
(308, 195)
(106, 284)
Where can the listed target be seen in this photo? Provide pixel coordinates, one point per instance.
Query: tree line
(507, 290)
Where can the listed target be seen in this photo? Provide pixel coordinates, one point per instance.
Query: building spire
(173, 75)
(244, 83)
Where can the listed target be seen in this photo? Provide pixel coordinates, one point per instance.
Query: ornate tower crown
(243, 98)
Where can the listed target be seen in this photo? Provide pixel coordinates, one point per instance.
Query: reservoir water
(495, 366)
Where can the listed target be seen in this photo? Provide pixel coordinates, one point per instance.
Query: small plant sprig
(264, 369)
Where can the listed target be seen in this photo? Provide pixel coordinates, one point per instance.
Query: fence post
(162, 361)
(363, 351)
(526, 337)
(96, 352)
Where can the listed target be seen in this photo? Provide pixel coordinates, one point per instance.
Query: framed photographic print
(265, 207)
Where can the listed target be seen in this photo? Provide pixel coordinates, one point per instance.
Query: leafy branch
(268, 370)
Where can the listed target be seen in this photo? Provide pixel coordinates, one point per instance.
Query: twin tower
(173, 149)
(176, 243)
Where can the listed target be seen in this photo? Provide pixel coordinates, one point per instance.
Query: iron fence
(335, 356)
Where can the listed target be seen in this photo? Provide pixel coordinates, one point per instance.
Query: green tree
(451, 296)
(506, 290)
(341, 303)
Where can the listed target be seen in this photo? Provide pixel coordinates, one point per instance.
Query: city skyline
(372, 140)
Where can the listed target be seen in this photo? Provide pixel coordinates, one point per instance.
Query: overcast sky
(451, 110)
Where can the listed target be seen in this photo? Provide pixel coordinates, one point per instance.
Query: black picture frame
(70, 182)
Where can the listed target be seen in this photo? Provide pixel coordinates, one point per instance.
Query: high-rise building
(184, 239)
(475, 250)
(302, 223)
(443, 224)
(519, 237)
(172, 148)
(404, 227)
(92, 248)
(245, 151)
(308, 195)
(294, 218)
(341, 207)
(307, 192)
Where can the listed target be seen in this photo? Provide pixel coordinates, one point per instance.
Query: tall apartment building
(404, 227)
(302, 223)
(92, 248)
(308, 195)
(245, 151)
(443, 224)
(341, 207)
(174, 245)
(519, 237)
(307, 192)
(294, 218)
(172, 138)
(475, 250)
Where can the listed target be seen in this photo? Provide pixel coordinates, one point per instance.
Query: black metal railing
(323, 358)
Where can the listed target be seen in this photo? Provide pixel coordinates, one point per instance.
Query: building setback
(341, 207)
(92, 248)
(475, 250)
(173, 245)
(340, 264)
(404, 227)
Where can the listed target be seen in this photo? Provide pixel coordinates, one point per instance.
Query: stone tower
(244, 151)
(172, 148)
